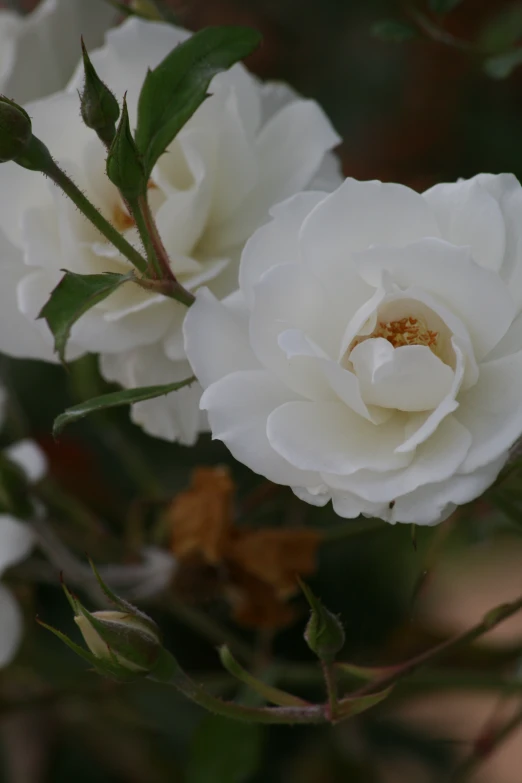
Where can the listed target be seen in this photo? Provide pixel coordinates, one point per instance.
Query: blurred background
(418, 112)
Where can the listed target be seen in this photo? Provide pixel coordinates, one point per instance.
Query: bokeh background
(418, 112)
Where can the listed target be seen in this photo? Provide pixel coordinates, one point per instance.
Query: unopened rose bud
(123, 644)
(124, 163)
(99, 108)
(324, 633)
(15, 130)
(132, 642)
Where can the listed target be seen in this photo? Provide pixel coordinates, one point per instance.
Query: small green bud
(15, 130)
(99, 107)
(121, 638)
(124, 163)
(324, 633)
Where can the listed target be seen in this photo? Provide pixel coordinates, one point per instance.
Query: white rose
(373, 355)
(38, 52)
(247, 146)
(16, 542)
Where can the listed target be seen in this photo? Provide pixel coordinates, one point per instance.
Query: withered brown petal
(201, 517)
(276, 555)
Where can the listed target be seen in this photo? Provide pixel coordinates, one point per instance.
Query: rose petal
(277, 242)
(238, 407)
(28, 456)
(408, 378)
(355, 216)
(436, 460)
(291, 147)
(289, 297)
(492, 410)
(422, 425)
(216, 339)
(331, 438)
(469, 216)
(17, 539)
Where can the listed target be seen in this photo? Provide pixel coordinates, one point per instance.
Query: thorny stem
(160, 253)
(154, 266)
(490, 620)
(60, 178)
(169, 672)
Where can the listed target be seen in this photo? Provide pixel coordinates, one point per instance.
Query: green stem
(489, 621)
(60, 178)
(161, 255)
(154, 267)
(330, 679)
(169, 672)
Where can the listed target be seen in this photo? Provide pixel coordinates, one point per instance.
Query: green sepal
(15, 130)
(121, 603)
(324, 632)
(124, 162)
(124, 642)
(99, 108)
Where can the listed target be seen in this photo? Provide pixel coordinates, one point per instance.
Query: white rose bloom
(248, 146)
(373, 355)
(16, 541)
(38, 52)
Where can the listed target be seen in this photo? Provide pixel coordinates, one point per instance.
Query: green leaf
(394, 30)
(73, 297)
(351, 706)
(173, 91)
(114, 400)
(501, 65)
(224, 751)
(268, 692)
(366, 673)
(443, 6)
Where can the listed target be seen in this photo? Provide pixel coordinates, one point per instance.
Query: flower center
(406, 331)
(403, 331)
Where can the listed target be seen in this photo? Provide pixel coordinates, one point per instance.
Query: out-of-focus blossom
(373, 354)
(16, 542)
(38, 52)
(247, 146)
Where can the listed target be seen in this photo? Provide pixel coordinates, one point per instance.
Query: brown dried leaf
(201, 517)
(275, 556)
